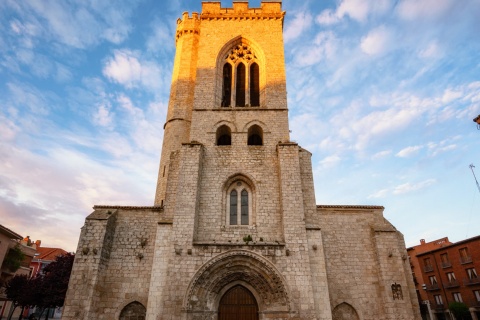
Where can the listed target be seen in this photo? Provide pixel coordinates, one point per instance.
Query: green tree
(53, 284)
(13, 259)
(459, 310)
(15, 291)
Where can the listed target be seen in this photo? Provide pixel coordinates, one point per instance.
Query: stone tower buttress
(179, 116)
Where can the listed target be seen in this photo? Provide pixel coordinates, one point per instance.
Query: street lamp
(477, 120)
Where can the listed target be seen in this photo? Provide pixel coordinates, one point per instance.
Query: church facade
(235, 232)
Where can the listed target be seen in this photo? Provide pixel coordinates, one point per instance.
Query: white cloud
(324, 47)
(329, 162)
(409, 151)
(409, 187)
(431, 51)
(103, 116)
(126, 68)
(377, 42)
(301, 23)
(381, 154)
(358, 10)
(379, 194)
(422, 9)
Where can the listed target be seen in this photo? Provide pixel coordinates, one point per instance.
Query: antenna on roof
(471, 168)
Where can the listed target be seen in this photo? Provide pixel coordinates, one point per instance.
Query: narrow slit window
(244, 201)
(254, 85)
(240, 88)
(233, 207)
(227, 85)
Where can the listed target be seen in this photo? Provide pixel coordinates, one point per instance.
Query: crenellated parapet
(188, 25)
(241, 10)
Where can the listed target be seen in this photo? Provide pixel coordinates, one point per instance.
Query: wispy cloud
(413, 187)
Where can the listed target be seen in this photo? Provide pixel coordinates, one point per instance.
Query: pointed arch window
(240, 90)
(254, 85)
(239, 204)
(241, 78)
(227, 85)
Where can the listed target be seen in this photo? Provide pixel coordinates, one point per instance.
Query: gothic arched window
(254, 85)
(241, 78)
(239, 204)
(255, 136)
(224, 136)
(240, 90)
(227, 85)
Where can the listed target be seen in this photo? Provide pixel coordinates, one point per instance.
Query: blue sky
(382, 92)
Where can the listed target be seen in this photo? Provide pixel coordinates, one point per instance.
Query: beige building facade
(235, 232)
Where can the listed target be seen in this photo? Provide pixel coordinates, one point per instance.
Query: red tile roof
(49, 254)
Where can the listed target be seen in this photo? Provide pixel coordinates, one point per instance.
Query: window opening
(224, 136)
(240, 92)
(241, 84)
(254, 85)
(227, 85)
(233, 207)
(438, 299)
(255, 136)
(457, 297)
(244, 210)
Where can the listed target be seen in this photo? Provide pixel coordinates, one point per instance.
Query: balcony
(472, 281)
(432, 287)
(464, 260)
(439, 306)
(428, 268)
(451, 284)
(446, 264)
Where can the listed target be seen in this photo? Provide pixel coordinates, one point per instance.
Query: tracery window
(239, 204)
(241, 67)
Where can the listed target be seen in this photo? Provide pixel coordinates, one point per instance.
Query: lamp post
(477, 120)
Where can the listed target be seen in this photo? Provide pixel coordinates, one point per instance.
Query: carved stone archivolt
(233, 267)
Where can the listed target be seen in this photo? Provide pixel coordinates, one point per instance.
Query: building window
(254, 85)
(255, 136)
(457, 297)
(445, 261)
(451, 277)
(472, 273)
(427, 265)
(438, 300)
(239, 204)
(433, 280)
(465, 256)
(241, 66)
(227, 85)
(477, 295)
(224, 136)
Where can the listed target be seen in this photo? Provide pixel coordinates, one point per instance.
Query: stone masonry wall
(113, 262)
(359, 268)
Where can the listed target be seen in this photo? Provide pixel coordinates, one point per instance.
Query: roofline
(10, 233)
(155, 208)
(324, 206)
(449, 245)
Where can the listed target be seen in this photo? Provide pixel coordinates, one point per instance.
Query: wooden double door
(238, 303)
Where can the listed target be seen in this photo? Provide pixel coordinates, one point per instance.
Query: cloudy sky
(382, 92)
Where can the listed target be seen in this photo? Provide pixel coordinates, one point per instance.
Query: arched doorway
(133, 311)
(238, 304)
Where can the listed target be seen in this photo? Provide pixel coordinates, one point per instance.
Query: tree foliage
(13, 259)
(55, 281)
(459, 310)
(45, 291)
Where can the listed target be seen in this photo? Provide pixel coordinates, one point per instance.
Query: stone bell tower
(235, 232)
